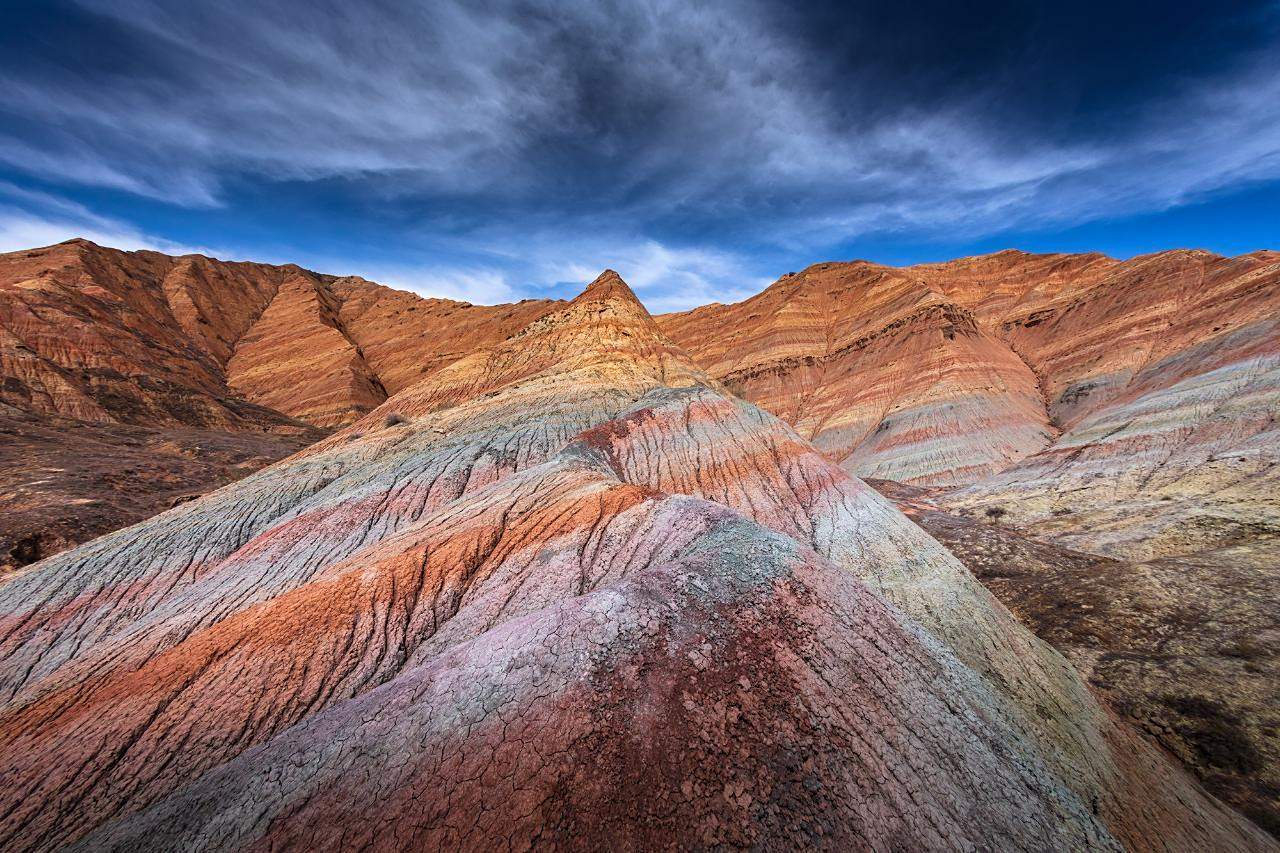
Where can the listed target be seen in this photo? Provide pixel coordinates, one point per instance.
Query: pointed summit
(608, 287)
(604, 338)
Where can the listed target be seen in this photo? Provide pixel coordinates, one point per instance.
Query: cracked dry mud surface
(573, 594)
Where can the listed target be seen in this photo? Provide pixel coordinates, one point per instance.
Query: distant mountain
(102, 335)
(130, 380)
(946, 373)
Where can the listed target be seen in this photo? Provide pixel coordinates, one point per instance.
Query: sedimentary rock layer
(1165, 377)
(1130, 374)
(884, 374)
(144, 338)
(564, 591)
(207, 364)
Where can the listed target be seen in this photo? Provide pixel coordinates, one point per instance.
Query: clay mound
(571, 594)
(604, 335)
(714, 698)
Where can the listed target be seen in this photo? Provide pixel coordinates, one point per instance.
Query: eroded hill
(130, 379)
(572, 592)
(1099, 438)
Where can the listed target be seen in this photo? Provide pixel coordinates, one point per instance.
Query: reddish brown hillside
(573, 597)
(950, 373)
(885, 374)
(140, 337)
(130, 378)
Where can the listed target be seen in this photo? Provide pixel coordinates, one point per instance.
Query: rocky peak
(604, 338)
(608, 287)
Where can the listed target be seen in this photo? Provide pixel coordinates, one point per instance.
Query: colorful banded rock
(102, 351)
(1165, 377)
(144, 338)
(570, 594)
(883, 374)
(1116, 377)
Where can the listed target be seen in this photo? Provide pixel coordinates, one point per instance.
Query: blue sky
(499, 149)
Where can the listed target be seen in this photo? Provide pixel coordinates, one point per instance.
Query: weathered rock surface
(884, 374)
(102, 335)
(1165, 377)
(128, 379)
(1184, 647)
(1076, 378)
(1143, 394)
(563, 591)
(405, 337)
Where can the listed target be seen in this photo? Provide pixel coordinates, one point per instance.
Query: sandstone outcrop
(1164, 376)
(563, 591)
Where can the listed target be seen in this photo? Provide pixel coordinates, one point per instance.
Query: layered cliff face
(131, 379)
(1105, 398)
(405, 337)
(886, 375)
(1132, 404)
(950, 373)
(1164, 376)
(565, 591)
(143, 338)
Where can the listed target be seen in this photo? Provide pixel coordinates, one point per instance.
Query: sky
(491, 151)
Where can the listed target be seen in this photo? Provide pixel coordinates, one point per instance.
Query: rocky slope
(1156, 382)
(1164, 376)
(102, 335)
(1131, 404)
(562, 592)
(1123, 378)
(129, 379)
(884, 374)
(1184, 647)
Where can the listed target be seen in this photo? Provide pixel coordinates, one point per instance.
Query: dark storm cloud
(562, 132)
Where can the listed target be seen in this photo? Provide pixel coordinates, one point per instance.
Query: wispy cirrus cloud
(30, 218)
(530, 142)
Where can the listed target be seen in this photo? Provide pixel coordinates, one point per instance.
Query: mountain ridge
(937, 374)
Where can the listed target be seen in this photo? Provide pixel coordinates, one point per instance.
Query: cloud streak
(688, 141)
(29, 218)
